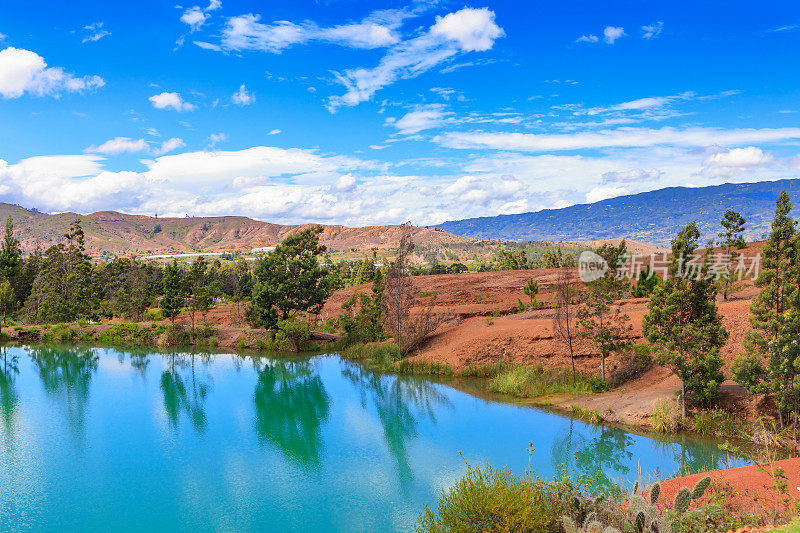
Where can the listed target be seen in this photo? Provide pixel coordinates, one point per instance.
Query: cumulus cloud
(23, 71)
(653, 30)
(735, 161)
(242, 97)
(603, 193)
(612, 33)
(94, 32)
(174, 101)
(274, 132)
(81, 183)
(467, 30)
(195, 17)
(481, 191)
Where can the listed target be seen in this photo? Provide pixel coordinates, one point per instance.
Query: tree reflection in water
(594, 457)
(9, 399)
(393, 397)
(178, 398)
(291, 404)
(66, 372)
(690, 457)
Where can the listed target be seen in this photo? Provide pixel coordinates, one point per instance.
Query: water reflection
(9, 398)
(291, 405)
(688, 456)
(66, 373)
(605, 456)
(183, 394)
(395, 398)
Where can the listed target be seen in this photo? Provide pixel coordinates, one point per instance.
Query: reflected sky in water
(102, 440)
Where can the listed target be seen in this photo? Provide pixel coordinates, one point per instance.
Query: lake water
(107, 440)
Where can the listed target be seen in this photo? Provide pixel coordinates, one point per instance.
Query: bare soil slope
(109, 233)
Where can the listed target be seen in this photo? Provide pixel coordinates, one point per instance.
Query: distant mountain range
(110, 234)
(651, 217)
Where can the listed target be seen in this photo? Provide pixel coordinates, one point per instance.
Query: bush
(665, 417)
(487, 499)
(716, 421)
(635, 364)
(530, 382)
(153, 315)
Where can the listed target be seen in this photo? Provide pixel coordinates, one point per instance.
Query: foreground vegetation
(491, 499)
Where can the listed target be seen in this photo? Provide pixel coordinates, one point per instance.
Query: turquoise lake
(109, 440)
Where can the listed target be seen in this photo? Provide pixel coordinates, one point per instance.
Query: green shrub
(487, 499)
(665, 418)
(530, 382)
(153, 315)
(293, 335)
(482, 371)
(716, 421)
(424, 368)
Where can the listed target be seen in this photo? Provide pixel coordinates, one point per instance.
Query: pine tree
(601, 323)
(775, 317)
(731, 239)
(198, 289)
(684, 326)
(10, 253)
(173, 299)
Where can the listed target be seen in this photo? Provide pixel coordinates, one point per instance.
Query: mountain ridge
(111, 233)
(636, 215)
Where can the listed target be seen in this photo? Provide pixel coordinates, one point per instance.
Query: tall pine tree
(775, 317)
(683, 324)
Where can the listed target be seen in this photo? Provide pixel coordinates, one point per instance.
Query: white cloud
(736, 161)
(421, 118)
(482, 191)
(617, 138)
(274, 132)
(634, 176)
(242, 97)
(194, 17)
(346, 183)
(94, 32)
(463, 31)
(23, 71)
(81, 183)
(612, 33)
(603, 193)
(652, 31)
(640, 104)
(174, 101)
(610, 36)
(245, 32)
(169, 145)
(216, 138)
(119, 145)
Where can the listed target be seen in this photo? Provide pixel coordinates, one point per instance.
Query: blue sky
(364, 113)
